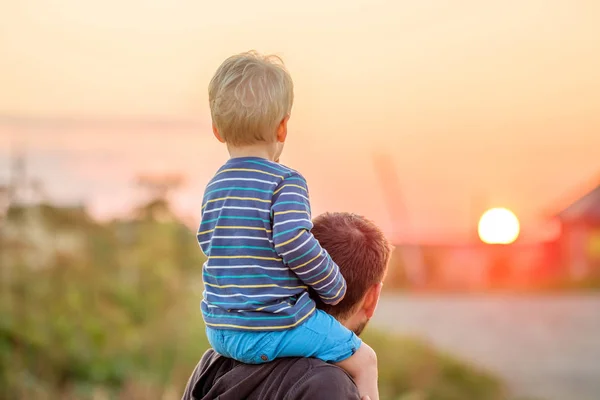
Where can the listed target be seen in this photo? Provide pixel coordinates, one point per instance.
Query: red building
(579, 242)
(573, 257)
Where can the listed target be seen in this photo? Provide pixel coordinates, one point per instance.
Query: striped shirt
(261, 256)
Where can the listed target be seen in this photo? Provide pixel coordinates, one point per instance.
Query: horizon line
(73, 122)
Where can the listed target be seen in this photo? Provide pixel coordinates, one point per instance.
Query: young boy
(255, 232)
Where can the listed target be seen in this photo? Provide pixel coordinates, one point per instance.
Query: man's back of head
(360, 249)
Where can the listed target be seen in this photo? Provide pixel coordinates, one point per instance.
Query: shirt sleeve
(296, 245)
(324, 383)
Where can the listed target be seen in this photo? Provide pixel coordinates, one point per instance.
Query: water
(546, 347)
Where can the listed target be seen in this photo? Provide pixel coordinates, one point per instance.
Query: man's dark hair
(359, 248)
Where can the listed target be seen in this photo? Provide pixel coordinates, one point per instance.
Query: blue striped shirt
(261, 256)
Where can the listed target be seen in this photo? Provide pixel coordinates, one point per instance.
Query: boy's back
(244, 271)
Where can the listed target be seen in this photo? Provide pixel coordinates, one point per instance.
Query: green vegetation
(110, 310)
(410, 369)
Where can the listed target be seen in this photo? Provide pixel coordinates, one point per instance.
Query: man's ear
(371, 300)
(216, 133)
(282, 129)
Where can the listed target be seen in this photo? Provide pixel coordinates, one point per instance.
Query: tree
(158, 189)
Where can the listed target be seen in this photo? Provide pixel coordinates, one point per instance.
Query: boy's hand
(338, 301)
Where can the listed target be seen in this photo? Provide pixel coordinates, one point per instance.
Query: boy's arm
(296, 245)
(203, 236)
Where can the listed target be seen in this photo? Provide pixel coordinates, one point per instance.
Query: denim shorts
(321, 336)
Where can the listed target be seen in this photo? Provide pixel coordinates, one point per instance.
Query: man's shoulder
(322, 381)
(315, 366)
(300, 378)
(283, 378)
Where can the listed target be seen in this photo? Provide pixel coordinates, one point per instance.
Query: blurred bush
(110, 310)
(410, 369)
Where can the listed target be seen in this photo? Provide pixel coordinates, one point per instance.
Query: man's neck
(261, 150)
(356, 323)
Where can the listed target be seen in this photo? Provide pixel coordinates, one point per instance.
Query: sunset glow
(498, 98)
(498, 226)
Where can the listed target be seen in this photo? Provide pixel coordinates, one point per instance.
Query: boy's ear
(216, 133)
(282, 129)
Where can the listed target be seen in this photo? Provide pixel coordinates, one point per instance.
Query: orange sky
(498, 100)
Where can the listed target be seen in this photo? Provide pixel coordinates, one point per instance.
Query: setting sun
(498, 226)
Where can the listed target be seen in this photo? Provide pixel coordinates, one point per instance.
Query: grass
(410, 369)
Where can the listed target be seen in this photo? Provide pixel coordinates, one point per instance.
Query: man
(362, 253)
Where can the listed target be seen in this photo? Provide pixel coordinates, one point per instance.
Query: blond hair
(249, 96)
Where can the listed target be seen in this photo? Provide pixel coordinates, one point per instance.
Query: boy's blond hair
(249, 96)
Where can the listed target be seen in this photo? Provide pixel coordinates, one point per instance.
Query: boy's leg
(362, 367)
(246, 347)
